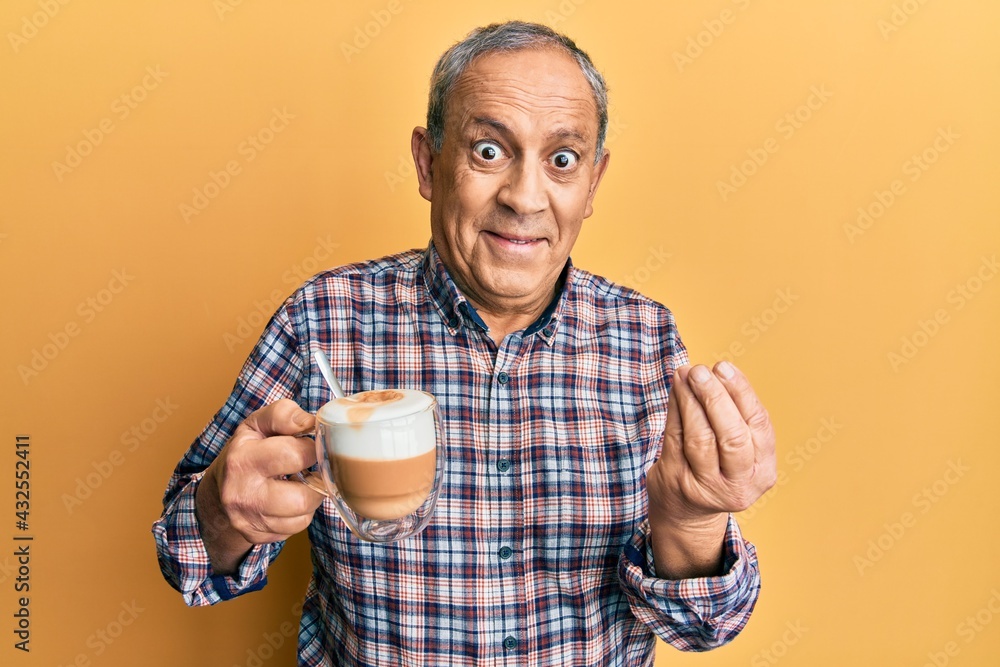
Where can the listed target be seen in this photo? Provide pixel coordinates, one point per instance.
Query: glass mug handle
(310, 478)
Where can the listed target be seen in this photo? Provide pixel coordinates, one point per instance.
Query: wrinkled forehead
(543, 85)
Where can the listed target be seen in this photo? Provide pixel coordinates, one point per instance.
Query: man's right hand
(243, 500)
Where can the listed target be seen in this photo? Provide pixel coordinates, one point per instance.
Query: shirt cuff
(694, 614)
(184, 560)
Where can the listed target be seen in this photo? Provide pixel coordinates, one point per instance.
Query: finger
(289, 498)
(277, 529)
(283, 455)
(750, 407)
(283, 417)
(697, 438)
(735, 445)
(671, 452)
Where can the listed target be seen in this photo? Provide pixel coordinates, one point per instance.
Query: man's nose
(525, 190)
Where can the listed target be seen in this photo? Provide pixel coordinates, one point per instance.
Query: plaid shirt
(537, 553)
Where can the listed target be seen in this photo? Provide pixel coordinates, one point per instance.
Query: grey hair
(507, 37)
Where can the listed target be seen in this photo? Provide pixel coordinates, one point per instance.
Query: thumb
(303, 419)
(283, 417)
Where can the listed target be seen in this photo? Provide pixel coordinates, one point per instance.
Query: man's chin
(516, 286)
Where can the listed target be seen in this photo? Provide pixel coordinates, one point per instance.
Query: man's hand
(718, 457)
(243, 500)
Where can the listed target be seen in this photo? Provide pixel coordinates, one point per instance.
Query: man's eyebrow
(559, 133)
(491, 122)
(566, 133)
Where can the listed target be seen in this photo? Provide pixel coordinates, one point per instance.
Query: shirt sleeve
(692, 614)
(272, 371)
(184, 560)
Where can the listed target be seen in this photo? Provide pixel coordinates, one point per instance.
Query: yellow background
(777, 271)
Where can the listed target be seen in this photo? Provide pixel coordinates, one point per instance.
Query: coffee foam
(382, 425)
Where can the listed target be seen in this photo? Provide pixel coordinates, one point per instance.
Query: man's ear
(423, 158)
(595, 181)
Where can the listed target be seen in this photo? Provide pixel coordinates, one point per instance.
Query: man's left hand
(718, 454)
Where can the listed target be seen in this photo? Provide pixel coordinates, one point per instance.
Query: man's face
(515, 176)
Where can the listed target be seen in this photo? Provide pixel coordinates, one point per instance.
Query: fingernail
(726, 370)
(699, 374)
(302, 418)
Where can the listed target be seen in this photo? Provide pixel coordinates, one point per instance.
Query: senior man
(591, 474)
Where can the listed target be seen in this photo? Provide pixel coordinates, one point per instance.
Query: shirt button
(503, 465)
(503, 378)
(510, 642)
(548, 331)
(505, 553)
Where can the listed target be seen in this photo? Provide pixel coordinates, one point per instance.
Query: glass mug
(380, 461)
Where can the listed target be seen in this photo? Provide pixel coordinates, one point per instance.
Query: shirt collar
(456, 311)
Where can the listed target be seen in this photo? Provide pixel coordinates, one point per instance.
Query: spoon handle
(327, 371)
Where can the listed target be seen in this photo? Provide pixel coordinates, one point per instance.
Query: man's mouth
(515, 239)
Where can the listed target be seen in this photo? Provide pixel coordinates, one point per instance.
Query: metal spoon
(307, 477)
(327, 370)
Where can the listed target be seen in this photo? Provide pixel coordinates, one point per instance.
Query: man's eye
(564, 159)
(488, 151)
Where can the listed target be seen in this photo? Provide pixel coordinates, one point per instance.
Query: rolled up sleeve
(272, 371)
(184, 561)
(695, 614)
